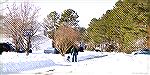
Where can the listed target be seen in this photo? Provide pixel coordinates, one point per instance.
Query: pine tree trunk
(148, 37)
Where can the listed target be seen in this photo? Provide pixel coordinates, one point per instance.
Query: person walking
(74, 53)
(81, 47)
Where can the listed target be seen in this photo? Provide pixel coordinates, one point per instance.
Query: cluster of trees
(20, 23)
(63, 29)
(54, 20)
(126, 23)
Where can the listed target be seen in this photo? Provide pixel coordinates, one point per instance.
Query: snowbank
(19, 62)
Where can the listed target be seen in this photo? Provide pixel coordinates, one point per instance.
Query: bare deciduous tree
(21, 23)
(64, 38)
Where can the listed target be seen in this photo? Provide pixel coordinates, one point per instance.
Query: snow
(89, 63)
(4, 39)
(40, 43)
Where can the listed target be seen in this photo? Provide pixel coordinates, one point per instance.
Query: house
(40, 41)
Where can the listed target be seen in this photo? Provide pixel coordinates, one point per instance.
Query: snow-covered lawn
(113, 64)
(89, 63)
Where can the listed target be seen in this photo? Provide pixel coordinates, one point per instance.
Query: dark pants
(74, 58)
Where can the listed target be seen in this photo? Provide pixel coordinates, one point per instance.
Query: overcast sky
(86, 9)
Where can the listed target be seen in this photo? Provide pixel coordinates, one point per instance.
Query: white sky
(86, 9)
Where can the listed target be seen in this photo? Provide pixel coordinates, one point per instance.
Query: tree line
(121, 27)
(125, 24)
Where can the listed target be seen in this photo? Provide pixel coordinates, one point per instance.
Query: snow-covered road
(89, 63)
(113, 64)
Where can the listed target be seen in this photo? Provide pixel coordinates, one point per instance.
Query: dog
(68, 58)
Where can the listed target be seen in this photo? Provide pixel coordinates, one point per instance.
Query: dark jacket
(74, 51)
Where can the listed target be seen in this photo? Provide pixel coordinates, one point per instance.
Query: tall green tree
(82, 34)
(123, 25)
(142, 18)
(51, 23)
(70, 17)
